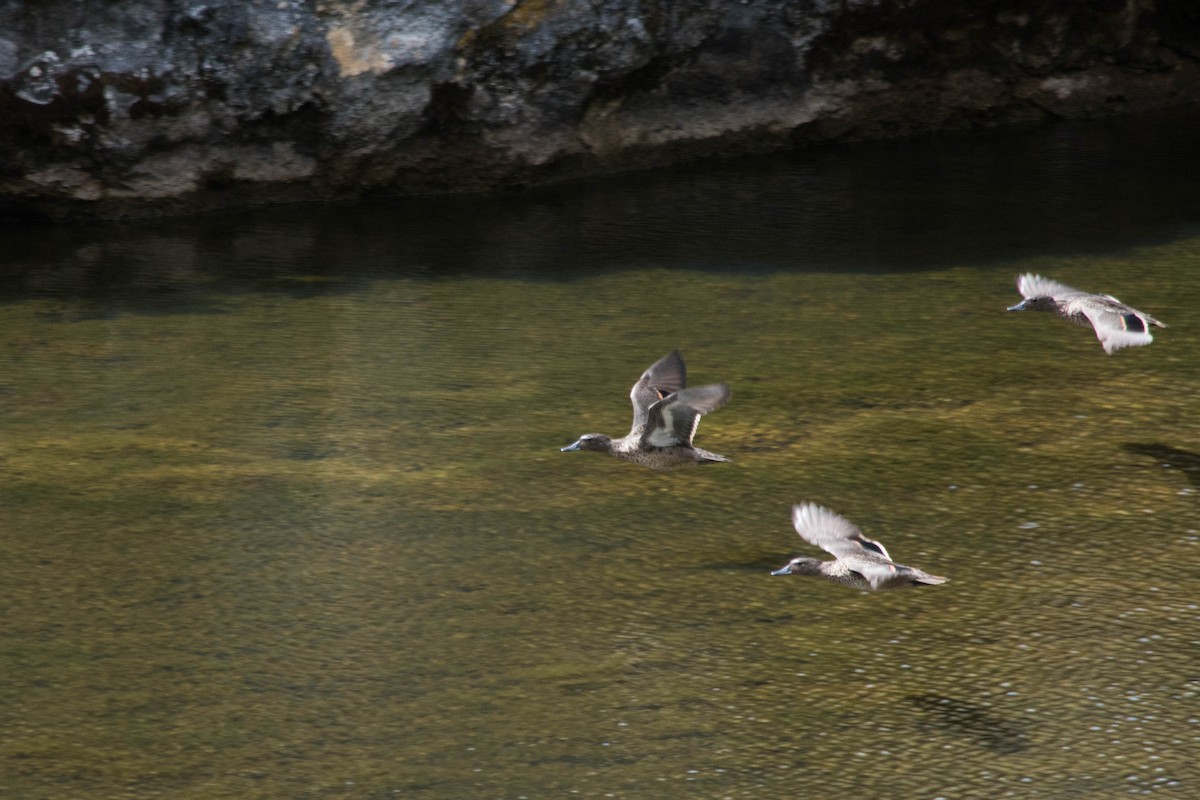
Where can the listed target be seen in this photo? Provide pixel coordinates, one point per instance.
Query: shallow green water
(283, 513)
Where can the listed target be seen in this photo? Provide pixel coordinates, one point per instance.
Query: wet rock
(153, 106)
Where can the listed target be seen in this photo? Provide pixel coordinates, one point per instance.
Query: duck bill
(1019, 306)
(572, 446)
(784, 570)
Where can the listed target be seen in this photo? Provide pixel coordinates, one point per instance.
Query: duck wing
(1117, 325)
(673, 420)
(877, 571)
(883, 574)
(1030, 285)
(1142, 319)
(836, 534)
(663, 377)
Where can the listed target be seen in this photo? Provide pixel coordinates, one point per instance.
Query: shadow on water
(1169, 457)
(909, 205)
(972, 722)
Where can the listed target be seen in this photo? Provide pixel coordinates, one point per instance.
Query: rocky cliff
(150, 106)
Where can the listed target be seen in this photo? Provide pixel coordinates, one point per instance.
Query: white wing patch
(1030, 285)
(1112, 333)
(877, 573)
(833, 532)
(665, 435)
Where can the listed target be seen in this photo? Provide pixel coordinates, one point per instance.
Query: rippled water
(283, 513)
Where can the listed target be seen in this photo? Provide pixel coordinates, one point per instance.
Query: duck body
(1116, 324)
(665, 417)
(630, 448)
(860, 563)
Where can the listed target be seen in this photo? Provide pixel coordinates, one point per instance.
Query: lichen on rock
(221, 102)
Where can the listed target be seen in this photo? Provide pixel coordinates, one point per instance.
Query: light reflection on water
(284, 514)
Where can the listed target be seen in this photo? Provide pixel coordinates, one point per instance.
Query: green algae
(311, 535)
(328, 547)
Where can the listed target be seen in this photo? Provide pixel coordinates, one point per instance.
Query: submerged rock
(154, 106)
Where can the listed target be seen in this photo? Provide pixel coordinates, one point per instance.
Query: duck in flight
(1116, 324)
(859, 562)
(665, 417)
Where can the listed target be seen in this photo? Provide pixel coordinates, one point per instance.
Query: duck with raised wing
(665, 417)
(859, 563)
(1116, 324)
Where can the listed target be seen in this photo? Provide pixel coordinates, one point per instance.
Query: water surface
(283, 513)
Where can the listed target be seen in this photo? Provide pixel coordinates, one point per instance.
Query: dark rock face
(151, 106)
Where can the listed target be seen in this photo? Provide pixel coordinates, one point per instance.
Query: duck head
(802, 565)
(590, 441)
(1043, 303)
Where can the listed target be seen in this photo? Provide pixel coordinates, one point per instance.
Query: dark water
(283, 513)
